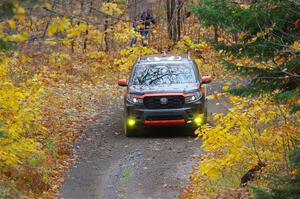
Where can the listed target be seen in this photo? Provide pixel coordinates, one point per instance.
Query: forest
(60, 61)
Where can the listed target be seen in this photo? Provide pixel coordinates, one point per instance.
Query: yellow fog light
(199, 120)
(131, 122)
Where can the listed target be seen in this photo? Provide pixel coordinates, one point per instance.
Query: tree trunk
(174, 8)
(106, 36)
(169, 18)
(86, 37)
(173, 20)
(216, 31)
(179, 6)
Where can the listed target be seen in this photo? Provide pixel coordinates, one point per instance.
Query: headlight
(195, 97)
(134, 99)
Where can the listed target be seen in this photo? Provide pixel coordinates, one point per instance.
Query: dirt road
(112, 166)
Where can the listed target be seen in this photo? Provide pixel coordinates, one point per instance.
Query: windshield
(161, 74)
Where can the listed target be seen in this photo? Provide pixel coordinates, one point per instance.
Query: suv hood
(176, 88)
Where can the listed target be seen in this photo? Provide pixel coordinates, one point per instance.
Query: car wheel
(190, 131)
(129, 132)
(205, 112)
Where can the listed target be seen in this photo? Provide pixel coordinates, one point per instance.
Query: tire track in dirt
(112, 166)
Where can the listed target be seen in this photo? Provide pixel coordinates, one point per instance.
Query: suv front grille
(164, 117)
(164, 102)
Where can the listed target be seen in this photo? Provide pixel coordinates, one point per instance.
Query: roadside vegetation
(253, 150)
(54, 72)
(60, 61)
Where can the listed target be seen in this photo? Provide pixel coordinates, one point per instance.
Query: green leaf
(51, 144)
(3, 134)
(6, 9)
(283, 96)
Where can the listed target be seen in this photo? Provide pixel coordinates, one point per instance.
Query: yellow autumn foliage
(123, 32)
(296, 46)
(186, 44)
(111, 8)
(253, 130)
(129, 56)
(59, 24)
(19, 119)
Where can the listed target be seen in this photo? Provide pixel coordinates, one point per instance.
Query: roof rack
(163, 58)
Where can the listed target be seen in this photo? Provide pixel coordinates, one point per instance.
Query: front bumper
(184, 116)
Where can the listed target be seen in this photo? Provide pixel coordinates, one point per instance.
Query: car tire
(129, 132)
(205, 112)
(190, 131)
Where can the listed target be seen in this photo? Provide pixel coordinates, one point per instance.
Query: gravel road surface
(111, 166)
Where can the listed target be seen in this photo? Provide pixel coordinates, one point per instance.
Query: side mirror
(123, 82)
(206, 79)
